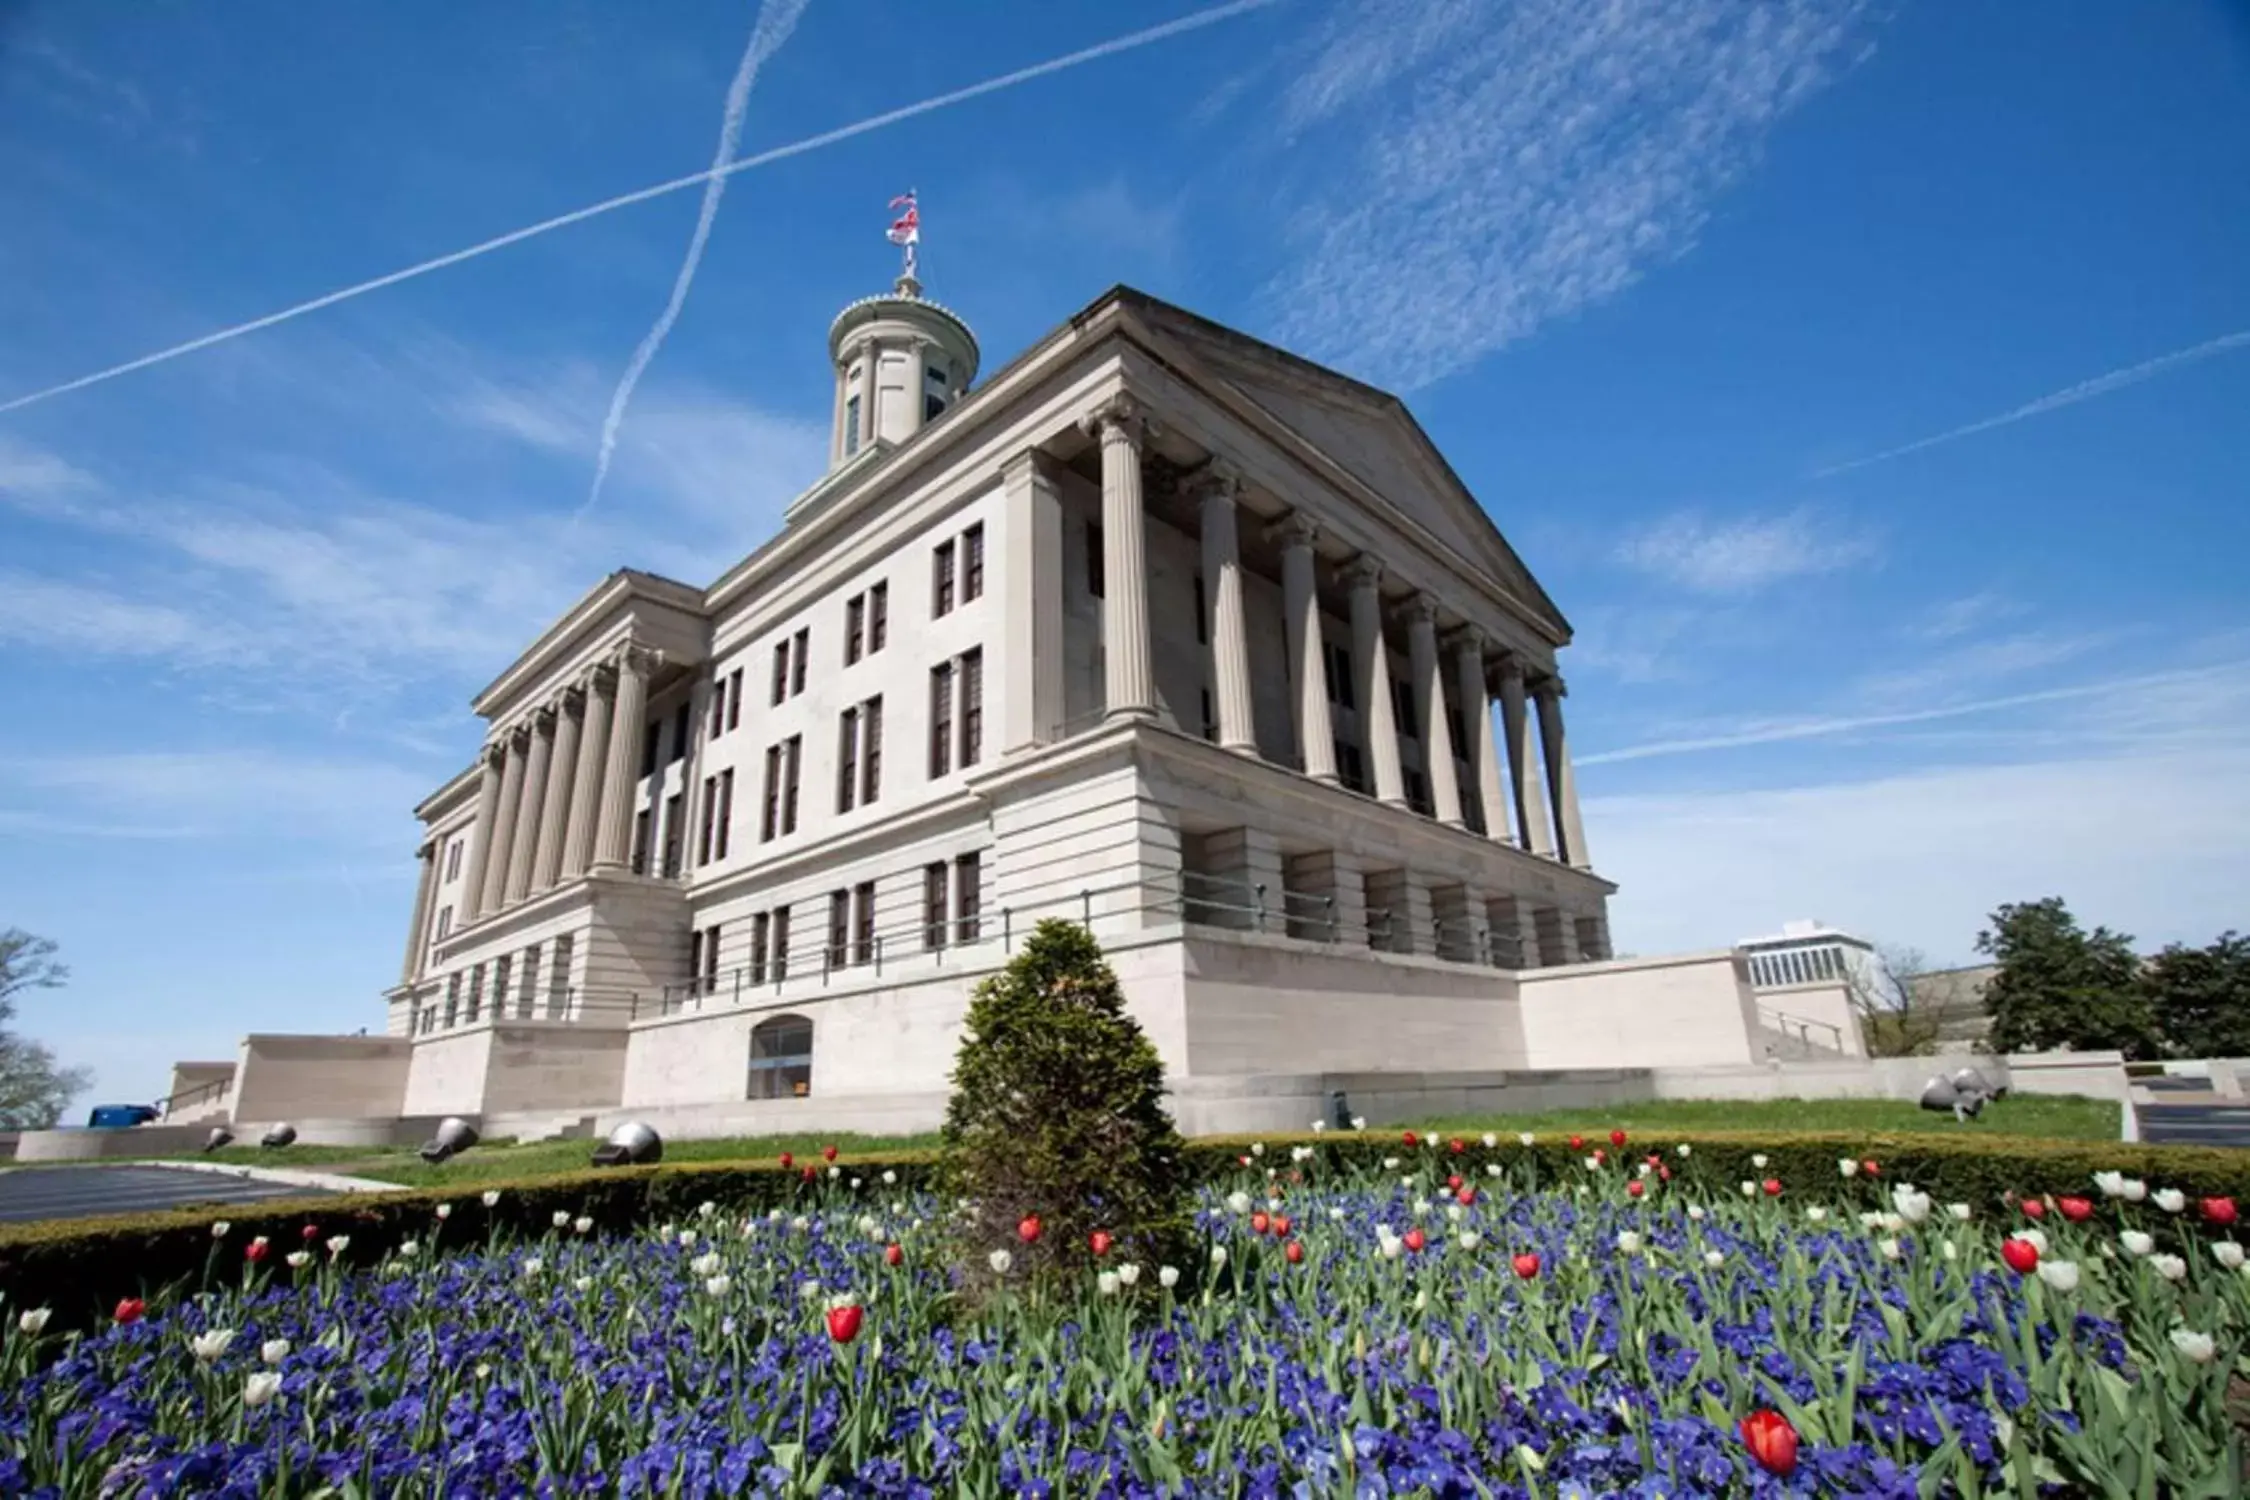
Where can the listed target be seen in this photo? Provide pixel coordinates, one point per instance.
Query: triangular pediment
(1370, 435)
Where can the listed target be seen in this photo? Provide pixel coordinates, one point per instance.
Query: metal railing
(186, 1099)
(1780, 1022)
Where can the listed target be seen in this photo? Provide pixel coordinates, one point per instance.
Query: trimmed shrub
(1057, 1119)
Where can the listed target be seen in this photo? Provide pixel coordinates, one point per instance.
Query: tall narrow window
(968, 896)
(761, 934)
(871, 750)
(847, 760)
(792, 758)
(680, 730)
(500, 972)
(770, 823)
(558, 985)
(710, 820)
(1338, 664)
(726, 812)
(855, 627)
(972, 563)
(711, 959)
(878, 616)
(1094, 568)
(640, 842)
(674, 810)
(839, 927)
(1454, 734)
(695, 960)
(444, 921)
(780, 670)
(863, 923)
(734, 699)
(851, 426)
(652, 739)
(797, 661)
(718, 708)
(933, 906)
(453, 860)
(941, 578)
(972, 707)
(780, 944)
(941, 719)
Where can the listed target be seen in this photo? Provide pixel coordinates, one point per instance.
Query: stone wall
(283, 1077)
(1685, 1010)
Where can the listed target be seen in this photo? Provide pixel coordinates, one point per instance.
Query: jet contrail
(1099, 50)
(776, 20)
(2085, 390)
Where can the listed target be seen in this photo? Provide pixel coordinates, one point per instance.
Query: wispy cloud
(1957, 617)
(214, 793)
(1496, 168)
(1969, 666)
(61, 615)
(2085, 390)
(1745, 554)
(777, 19)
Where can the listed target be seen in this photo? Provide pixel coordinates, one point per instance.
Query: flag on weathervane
(906, 229)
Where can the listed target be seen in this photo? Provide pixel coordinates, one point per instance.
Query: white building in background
(1812, 980)
(1159, 629)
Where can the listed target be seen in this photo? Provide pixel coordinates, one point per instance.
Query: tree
(1898, 1015)
(1058, 1113)
(2201, 997)
(2059, 986)
(33, 1091)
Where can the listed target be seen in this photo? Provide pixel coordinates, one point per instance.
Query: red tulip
(1099, 1242)
(1244, 1159)
(1578, 1143)
(2077, 1210)
(1526, 1264)
(787, 1161)
(1258, 1223)
(2022, 1256)
(1457, 1145)
(1600, 1156)
(255, 1251)
(1281, 1226)
(1294, 1253)
(1773, 1187)
(1663, 1173)
(1635, 1188)
(2034, 1209)
(1453, 1183)
(1411, 1138)
(1414, 1240)
(130, 1310)
(1871, 1167)
(807, 1176)
(1617, 1139)
(1028, 1229)
(892, 1255)
(1771, 1441)
(1465, 1195)
(828, 1153)
(843, 1322)
(309, 1233)
(2219, 1210)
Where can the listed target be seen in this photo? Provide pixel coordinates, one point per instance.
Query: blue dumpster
(119, 1116)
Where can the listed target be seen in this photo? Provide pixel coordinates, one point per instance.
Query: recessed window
(968, 896)
(781, 1055)
(933, 407)
(797, 665)
(934, 923)
(941, 578)
(878, 616)
(680, 730)
(851, 427)
(1202, 622)
(855, 627)
(972, 563)
(941, 720)
(792, 759)
(734, 699)
(972, 707)
(453, 859)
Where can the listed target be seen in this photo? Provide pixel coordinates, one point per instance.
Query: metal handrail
(201, 1093)
(1780, 1021)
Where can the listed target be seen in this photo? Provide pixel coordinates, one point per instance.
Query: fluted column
(1031, 599)
(1371, 665)
(1130, 678)
(1561, 781)
(506, 827)
(481, 832)
(870, 361)
(1532, 817)
(917, 383)
(562, 779)
(1225, 628)
(418, 926)
(1308, 676)
(1476, 723)
(525, 844)
(1429, 687)
(612, 843)
(599, 692)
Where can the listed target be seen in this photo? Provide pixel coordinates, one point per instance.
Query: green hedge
(79, 1268)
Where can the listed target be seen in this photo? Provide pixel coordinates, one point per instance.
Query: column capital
(1364, 571)
(1550, 686)
(1422, 609)
(1295, 529)
(494, 755)
(1511, 667)
(428, 848)
(542, 719)
(1214, 479)
(519, 734)
(637, 659)
(598, 680)
(572, 699)
(1120, 419)
(1463, 639)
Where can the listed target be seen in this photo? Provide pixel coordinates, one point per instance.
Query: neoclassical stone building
(1160, 629)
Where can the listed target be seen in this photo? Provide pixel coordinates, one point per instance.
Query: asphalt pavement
(28, 1194)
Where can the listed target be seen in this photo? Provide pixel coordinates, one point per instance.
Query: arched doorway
(781, 1058)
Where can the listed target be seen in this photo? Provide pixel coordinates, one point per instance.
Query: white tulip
(2196, 1348)
(1593, 1164)
(2136, 1242)
(1129, 1274)
(338, 1244)
(581, 1224)
(854, 1184)
(687, 1239)
(811, 1291)
(719, 1285)
(562, 1218)
(1359, 1122)
(219, 1228)
(1469, 1239)
(444, 1211)
(2110, 1184)
(1890, 1248)
(2062, 1275)
(800, 1225)
(1960, 1211)
(1455, 1212)
(2135, 1190)
(1390, 1244)
(582, 1284)
(1913, 1207)
(1645, 1171)
(1106, 1283)
(408, 1249)
(834, 1173)
(1816, 1214)
(210, 1345)
(1422, 1300)
(1949, 1250)
(1714, 1259)
(1490, 1140)
(1218, 1257)
(705, 1265)
(890, 1179)
(2228, 1254)
(1758, 1161)
(1628, 1243)
(1684, 1149)
(2171, 1200)
(666, 1234)
(1749, 1190)
(1318, 1126)
(1390, 1164)
(533, 1266)
(1695, 1212)
(2170, 1267)
(1846, 1167)
(274, 1351)
(33, 1321)
(1257, 1148)
(705, 1209)
(492, 1198)
(1000, 1261)
(1336, 1214)
(260, 1388)
(297, 1260)
(1526, 1138)
(2036, 1238)
(1492, 1169)
(1167, 1277)
(1238, 1203)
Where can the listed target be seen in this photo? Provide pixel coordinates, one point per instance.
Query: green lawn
(2054, 1116)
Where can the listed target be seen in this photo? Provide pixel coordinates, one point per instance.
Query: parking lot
(29, 1194)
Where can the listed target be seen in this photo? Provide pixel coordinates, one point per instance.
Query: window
(675, 808)
(761, 934)
(1202, 621)
(780, 944)
(972, 707)
(797, 663)
(855, 627)
(968, 896)
(651, 741)
(792, 757)
(1402, 704)
(941, 719)
(1418, 792)
(941, 578)
(851, 427)
(780, 670)
(972, 563)
(933, 373)
(558, 987)
(863, 923)
(501, 968)
(640, 842)
(1336, 661)
(1094, 560)
(781, 1058)
(770, 823)
(718, 709)
(847, 760)
(453, 859)
(1349, 766)
(933, 906)
(452, 1000)
(1210, 724)
(734, 699)
(444, 921)
(476, 996)
(527, 996)
(711, 959)
(726, 812)
(710, 820)
(932, 405)
(871, 750)
(839, 926)
(878, 616)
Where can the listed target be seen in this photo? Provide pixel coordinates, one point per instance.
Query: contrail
(2085, 390)
(1095, 53)
(776, 20)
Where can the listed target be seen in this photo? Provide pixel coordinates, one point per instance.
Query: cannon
(278, 1136)
(631, 1144)
(454, 1136)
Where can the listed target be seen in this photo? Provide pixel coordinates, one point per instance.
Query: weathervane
(906, 231)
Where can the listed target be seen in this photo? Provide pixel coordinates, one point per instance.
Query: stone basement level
(1162, 630)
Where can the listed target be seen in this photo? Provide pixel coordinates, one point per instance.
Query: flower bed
(1394, 1319)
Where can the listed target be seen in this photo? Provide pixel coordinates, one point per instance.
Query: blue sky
(1659, 279)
